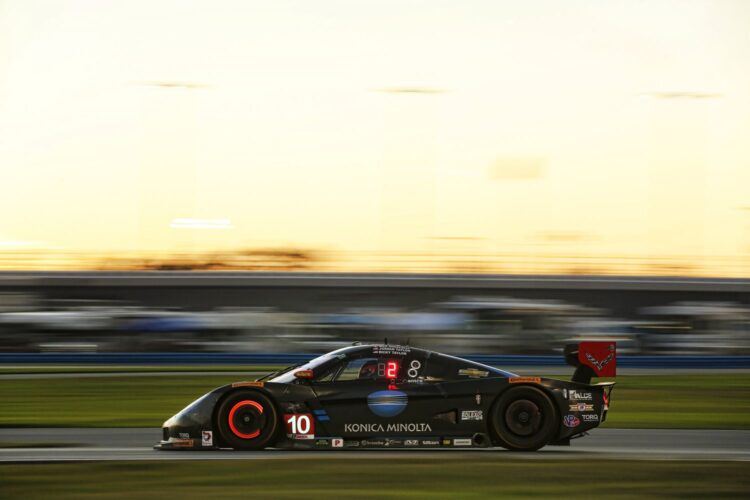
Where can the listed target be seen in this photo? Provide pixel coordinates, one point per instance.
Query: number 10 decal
(300, 426)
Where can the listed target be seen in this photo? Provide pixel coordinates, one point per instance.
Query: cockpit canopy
(390, 363)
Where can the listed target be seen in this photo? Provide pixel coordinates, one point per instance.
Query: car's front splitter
(184, 444)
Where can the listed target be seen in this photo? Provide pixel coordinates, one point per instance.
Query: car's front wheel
(524, 419)
(247, 420)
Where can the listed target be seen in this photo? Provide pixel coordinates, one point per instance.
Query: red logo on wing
(600, 356)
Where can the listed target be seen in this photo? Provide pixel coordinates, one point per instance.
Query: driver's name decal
(391, 349)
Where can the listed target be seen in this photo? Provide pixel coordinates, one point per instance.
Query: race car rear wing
(592, 359)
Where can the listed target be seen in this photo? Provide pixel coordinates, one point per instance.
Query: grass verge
(467, 477)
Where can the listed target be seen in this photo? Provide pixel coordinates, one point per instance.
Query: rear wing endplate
(592, 359)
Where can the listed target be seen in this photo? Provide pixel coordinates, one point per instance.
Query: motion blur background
(290, 176)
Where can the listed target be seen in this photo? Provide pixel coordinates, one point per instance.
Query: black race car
(393, 396)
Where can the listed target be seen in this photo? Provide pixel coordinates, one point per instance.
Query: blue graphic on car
(387, 403)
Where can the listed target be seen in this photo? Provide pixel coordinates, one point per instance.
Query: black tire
(524, 419)
(247, 420)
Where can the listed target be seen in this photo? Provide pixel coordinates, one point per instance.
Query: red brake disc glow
(237, 406)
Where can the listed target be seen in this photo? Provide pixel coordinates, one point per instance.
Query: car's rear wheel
(247, 420)
(524, 419)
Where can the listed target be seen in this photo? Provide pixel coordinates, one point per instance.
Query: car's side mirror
(304, 374)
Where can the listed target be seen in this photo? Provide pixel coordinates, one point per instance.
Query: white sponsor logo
(207, 438)
(462, 442)
(580, 396)
(411, 442)
(590, 417)
(337, 443)
(472, 415)
(387, 428)
(184, 435)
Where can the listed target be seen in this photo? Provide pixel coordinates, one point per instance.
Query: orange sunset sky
(593, 128)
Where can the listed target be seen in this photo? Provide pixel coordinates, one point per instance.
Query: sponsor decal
(445, 442)
(387, 403)
(182, 443)
(183, 435)
(394, 442)
(372, 442)
(478, 399)
(590, 417)
(524, 380)
(322, 442)
(565, 393)
(411, 442)
(473, 372)
(300, 426)
(351, 444)
(430, 442)
(574, 395)
(207, 438)
(571, 421)
(375, 428)
(337, 443)
(581, 407)
(248, 384)
(462, 442)
(472, 415)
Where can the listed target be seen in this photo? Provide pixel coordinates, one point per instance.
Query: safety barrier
(219, 358)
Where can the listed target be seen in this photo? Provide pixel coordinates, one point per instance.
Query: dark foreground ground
(446, 477)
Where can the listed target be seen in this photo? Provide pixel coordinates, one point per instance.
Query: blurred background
(481, 177)
(312, 313)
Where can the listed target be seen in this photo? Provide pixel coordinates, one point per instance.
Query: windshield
(279, 372)
(287, 375)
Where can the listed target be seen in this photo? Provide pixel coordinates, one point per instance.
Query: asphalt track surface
(136, 444)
